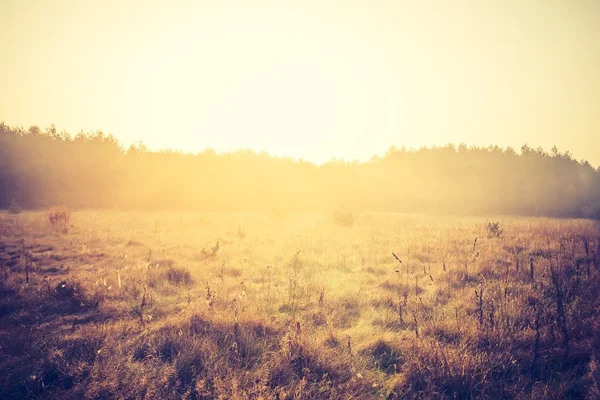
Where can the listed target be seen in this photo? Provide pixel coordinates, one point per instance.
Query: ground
(235, 306)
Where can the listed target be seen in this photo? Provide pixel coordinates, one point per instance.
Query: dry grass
(132, 305)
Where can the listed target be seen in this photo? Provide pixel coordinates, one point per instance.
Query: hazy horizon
(308, 80)
(233, 150)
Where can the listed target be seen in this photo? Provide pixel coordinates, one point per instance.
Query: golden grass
(236, 306)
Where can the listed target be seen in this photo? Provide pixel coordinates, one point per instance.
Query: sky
(307, 79)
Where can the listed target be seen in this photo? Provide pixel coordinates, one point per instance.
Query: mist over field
(95, 171)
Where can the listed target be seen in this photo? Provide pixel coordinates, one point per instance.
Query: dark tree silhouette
(39, 169)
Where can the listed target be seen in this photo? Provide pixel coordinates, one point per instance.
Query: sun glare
(312, 80)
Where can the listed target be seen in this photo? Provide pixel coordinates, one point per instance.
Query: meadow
(175, 305)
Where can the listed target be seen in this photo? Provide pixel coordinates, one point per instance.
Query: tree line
(43, 168)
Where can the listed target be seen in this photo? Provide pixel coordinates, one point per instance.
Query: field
(235, 306)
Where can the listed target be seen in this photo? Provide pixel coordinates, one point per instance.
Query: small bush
(59, 218)
(71, 291)
(241, 232)
(66, 290)
(385, 357)
(14, 207)
(493, 230)
(179, 276)
(207, 254)
(343, 218)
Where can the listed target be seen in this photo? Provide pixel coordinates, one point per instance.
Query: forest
(41, 168)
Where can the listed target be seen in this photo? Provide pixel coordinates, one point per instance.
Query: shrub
(14, 207)
(241, 232)
(385, 357)
(179, 276)
(343, 218)
(493, 229)
(59, 218)
(206, 254)
(71, 291)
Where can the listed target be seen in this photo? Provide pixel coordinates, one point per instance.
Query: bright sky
(308, 79)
